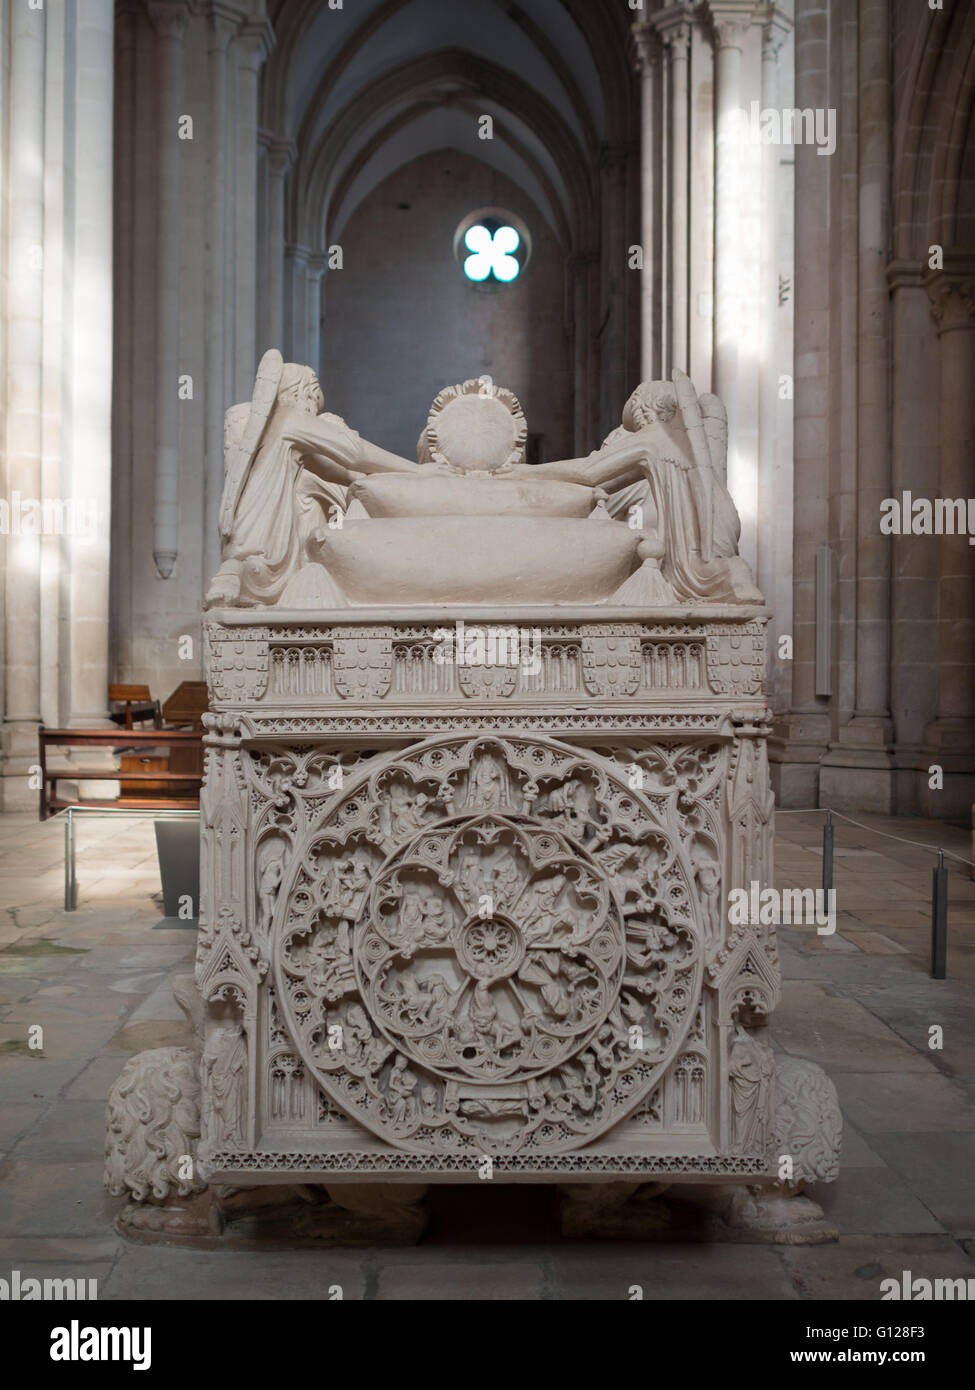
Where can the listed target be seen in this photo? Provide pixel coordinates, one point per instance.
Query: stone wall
(401, 319)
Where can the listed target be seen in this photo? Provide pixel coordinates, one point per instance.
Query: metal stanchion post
(939, 919)
(828, 853)
(70, 880)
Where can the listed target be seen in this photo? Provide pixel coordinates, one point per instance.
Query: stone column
(774, 529)
(128, 22)
(915, 561)
(24, 159)
(578, 270)
(84, 675)
(313, 332)
(222, 23)
(802, 737)
(251, 48)
(675, 30)
(613, 390)
(648, 61)
(730, 22)
(858, 770)
(296, 320)
(280, 160)
(950, 740)
(169, 21)
(873, 567)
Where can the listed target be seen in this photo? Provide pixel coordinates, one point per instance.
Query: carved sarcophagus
(466, 867)
(454, 911)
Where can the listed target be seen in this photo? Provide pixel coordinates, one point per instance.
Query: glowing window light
(492, 254)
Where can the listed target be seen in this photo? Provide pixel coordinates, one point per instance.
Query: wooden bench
(170, 790)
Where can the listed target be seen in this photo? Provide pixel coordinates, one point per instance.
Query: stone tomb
(466, 865)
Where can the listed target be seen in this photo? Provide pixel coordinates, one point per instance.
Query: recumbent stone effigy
(486, 755)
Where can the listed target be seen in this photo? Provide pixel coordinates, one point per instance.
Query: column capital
(952, 292)
(168, 18)
(316, 265)
(281, 153)
(776, 27)
(254, 44)
(674, 27)
(223, 21)
(730, 20)
(646, 47)
(906, 275)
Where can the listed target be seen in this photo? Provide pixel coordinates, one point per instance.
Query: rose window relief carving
(488, 942)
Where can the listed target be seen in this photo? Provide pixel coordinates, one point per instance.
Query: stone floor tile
(162, 1272)
(853, 1267)
(872, 1201)
(940, 1169)
(886, 1103)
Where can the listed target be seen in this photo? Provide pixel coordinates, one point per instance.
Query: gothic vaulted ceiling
(355, 93)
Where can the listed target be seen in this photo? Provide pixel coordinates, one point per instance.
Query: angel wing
(242, 456)
(234, 423)
(693, 418)
(715, 419)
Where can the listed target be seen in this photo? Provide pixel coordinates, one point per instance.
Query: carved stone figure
(751, 1067)
(808, 1125)
(315, 516)
(224, 1081)
(154, 1126)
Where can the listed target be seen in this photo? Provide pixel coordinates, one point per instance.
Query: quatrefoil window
(492, 247)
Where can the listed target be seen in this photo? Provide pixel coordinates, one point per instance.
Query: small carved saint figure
(708, 874)
(568, 806)
(331, 974)
(487, 789)
(267, 892)
(485, 1018)
(434, 924)
(410, 930)
(751, 1067)
(543, 916)
(408, 813)
(400, 1089)
(365, 1051)
(224, 1067)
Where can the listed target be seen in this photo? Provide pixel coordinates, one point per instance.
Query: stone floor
(860, 1003)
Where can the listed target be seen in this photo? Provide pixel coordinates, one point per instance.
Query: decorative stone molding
(952, 292)
(730, 20)
(808, 1123)
(646, 44)
(776, 28)
(279, 664)
(168, 18)
(674, 25)
(253, 44)
(154, 1126)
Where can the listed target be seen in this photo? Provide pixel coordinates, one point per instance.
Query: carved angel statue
(315, 516)
(277, 491)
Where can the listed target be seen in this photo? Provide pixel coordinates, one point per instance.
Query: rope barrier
(901, 839)
(939, 876)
